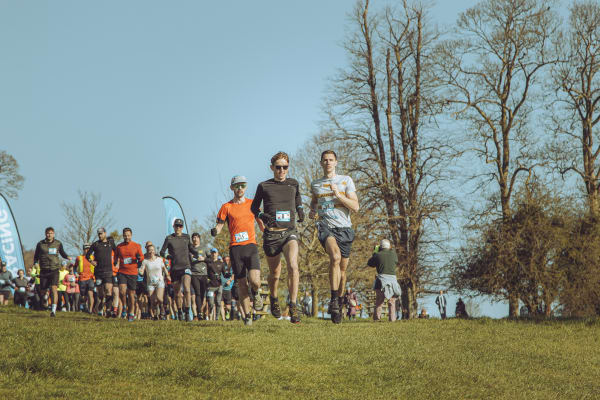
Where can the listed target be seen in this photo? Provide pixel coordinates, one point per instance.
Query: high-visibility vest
(82, 261)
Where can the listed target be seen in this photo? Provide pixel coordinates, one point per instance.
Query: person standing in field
(47, 255)
(441, 302)
(72, 289)
(85, 271)
(281, 200)
(333, 198)
(5, 284)
(386, 286)
(129, 255)
(101, 255)
(351, 303)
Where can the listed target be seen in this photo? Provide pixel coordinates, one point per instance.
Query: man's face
(227, 259)
(280, 169)
(127, 236)
(328, 162)
(102, 236)
(21, 274)
(178, 229)
(214, 254)
(50, 235)
(196, 241)
(239, 189)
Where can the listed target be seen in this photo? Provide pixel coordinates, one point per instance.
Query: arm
(192, 250)
(298, 200)
(89, 254)
(257, 201)
(62, 252)
(313, 207)
(373, 261)
(36, 256)
(217, 229)
(163, 249)
(348, 199)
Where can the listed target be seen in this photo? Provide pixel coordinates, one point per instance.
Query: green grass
(81, 356)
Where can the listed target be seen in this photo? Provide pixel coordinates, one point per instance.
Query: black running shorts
(343, 237)
(273, 241)
(48, 278)
(86, 286)
(243, 259)
(129, 280)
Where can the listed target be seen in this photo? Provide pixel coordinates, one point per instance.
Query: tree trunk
(408, 300)
(315, 302)
(513, 306)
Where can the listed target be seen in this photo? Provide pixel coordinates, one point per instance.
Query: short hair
(127, 230)
(48, 229)
(385, 244)
(195, 234)
(279, 155)
(21, 270)
(323, 154)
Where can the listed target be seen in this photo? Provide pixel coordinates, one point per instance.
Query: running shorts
(343, 237)
(48, 277)
(227, 297)
(273, 241)
(129, 280)
(243, 259)
(86, 286)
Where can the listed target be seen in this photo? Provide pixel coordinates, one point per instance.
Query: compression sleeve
(298, 197)
(36, 256)
(62, 252)
(163, 249)
(256, 202)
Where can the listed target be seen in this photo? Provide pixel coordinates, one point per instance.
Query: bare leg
(187, 293)
(290, 251)
(379, 299)
(343, 267)
(335, 257)
(274, 273)
(123, 296)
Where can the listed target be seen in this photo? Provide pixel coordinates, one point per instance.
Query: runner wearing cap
(129, 255)
(85, 269)
(180, 250)
(101, 255)
(46, 255)
(333, 197)
(242, 246)
(199, 275)
(281, 202)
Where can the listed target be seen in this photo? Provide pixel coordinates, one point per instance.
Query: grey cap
(239, 179)
(178, 221)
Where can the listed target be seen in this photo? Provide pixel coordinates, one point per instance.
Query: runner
(333, 197)
(102, 256)
(129, 255)
(227, 280)
(242, 245)
(199, 275)
(46, 255)
(215, 268)
(281, 203)
(179, 247)
(154, 268)
(85, 269)
(21, 283)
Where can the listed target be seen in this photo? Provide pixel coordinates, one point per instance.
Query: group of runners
(276, 208)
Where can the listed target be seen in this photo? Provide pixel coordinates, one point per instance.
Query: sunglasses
(281, 167)
(239, 186)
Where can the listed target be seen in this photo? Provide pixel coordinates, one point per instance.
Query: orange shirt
(85, 268)
(128, 254)
(240, 221)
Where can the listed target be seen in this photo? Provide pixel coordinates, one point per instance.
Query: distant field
(77, 356)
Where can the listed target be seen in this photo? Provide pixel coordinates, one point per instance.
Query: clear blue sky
(141, 99)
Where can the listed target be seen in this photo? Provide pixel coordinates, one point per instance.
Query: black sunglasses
(283, 167)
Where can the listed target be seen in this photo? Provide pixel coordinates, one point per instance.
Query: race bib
(22, 289)
(1, 281)
(241, 237)
(326, 205)
(210, 294)
(53, 251)
(72, 279)
(127, 260)
(154, 280)
(282, 216)
(98, 282)
(188, 271)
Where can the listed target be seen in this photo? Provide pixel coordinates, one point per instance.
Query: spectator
(226, 285)
(62, 289)
(72, 285)
(461, 309)
(5, 284)
(351, 303)
(386, 284)
(440, 300)
(423, 314)
(307, 304)
(20, 283)
(214, 268)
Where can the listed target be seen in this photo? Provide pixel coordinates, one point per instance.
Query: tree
(381, 107)
(576, 81)
(491, 69)
(83, 218)
(10, 179)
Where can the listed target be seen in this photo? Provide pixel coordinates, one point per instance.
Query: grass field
(77, 356)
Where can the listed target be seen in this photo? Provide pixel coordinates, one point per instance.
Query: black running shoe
(275, 310)
(180, 315)
(334, 310)
(52, 314)
(294, 316)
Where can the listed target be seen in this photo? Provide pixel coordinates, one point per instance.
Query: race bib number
(127, 260)
(326, 206)
(241, 237)
(210, 294)
(282, 216)
(22, 289)
(53, 251)
(154, 280)
(188, 271)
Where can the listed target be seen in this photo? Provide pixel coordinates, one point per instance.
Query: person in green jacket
(47, 256)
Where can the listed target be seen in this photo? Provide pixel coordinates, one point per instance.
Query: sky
(141, 99)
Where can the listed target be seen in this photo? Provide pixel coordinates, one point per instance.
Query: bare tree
(491, 69)
(10, 179)
(577, 84)
(83, 218)
(399, 161)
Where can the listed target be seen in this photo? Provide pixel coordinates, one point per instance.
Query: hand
(213, 232)
(300, 211)
(95, 263)
(312, 214)
(334, 188)
(266, 218)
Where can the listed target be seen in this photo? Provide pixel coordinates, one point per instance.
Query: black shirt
(103, 254)
(179, 248)
(280, 200)
(214, 272)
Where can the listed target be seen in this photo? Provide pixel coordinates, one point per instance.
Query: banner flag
(11, 250)
(173, 211)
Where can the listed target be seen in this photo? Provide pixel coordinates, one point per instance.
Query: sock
(54, 308)
(334, 294)
(108, 302)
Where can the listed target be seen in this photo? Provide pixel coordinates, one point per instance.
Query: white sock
(54, 308)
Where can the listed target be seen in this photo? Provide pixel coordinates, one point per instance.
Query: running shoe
(248, 321)
(275, 310)
(294, 316)
(52, 314)
(258, 301)
(131, 318)
(334, 310)
(180, 315)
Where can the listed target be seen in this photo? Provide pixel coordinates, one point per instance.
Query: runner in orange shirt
(130, 255)
(242, 247)
(85, 269)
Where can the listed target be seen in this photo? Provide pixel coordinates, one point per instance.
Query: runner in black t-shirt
(281, 201)
(103, 251)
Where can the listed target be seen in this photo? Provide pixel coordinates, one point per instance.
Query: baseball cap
(214, 250)
(87, 246)
(178, 221)
(238, 179)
